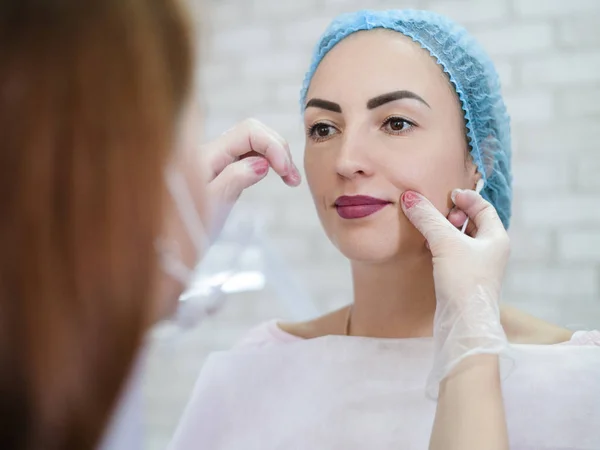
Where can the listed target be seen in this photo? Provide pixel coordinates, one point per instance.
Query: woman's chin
(380, 247)
(368, 251)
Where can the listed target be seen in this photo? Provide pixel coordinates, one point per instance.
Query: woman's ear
(473, 173)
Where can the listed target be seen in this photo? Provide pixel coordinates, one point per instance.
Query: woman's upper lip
(358, 200)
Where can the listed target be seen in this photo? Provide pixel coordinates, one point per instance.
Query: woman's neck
(395, 299)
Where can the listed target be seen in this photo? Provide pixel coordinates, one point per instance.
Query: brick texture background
(254, 56)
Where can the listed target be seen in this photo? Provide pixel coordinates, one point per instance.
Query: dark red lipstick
(358, 206)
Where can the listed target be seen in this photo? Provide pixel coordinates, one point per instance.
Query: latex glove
(207, 180)
(240, 158)
(468, 271)
(204, 183)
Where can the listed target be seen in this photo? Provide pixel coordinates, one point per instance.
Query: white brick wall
(579, 101)
(555, 211)
(579, 32)
(516, 39)
(554, 8)
(563, 69)
(548, 57)
(582, 246)
(474, 13)
(587, 178)
(530, 105)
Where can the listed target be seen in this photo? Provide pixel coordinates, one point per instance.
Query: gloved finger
(295, 176)
(227, 187)
(274, 133)
(427, 219)
(251, 136)
(481, 212)
(458, 217)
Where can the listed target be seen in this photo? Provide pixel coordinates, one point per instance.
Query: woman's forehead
(368, 63)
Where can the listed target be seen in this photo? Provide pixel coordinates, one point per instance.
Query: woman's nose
(353, 159)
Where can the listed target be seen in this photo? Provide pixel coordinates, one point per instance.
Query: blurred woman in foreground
(94, 107)
(93, 111)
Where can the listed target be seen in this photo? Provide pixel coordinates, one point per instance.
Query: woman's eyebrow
(392, 96)
(324, 104)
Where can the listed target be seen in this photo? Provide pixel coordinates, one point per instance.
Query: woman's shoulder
(520, 328)
(523, 328)
(266, 334)
(276, 332)
(329, 324)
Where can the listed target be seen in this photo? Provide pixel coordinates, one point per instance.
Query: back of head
(89, 96)
(472, 75)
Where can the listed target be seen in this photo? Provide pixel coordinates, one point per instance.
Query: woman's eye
(321, 131)
(397, 125)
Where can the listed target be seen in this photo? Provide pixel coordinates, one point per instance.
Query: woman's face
(381, 118)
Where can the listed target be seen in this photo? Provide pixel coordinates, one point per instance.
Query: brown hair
(89, 96)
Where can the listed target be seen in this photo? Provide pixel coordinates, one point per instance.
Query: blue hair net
(472, 75)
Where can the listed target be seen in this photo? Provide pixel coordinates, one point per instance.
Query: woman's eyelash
(394, 121)
(312, 131)
(322, 131)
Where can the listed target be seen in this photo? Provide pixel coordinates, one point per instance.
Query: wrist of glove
(465, 327)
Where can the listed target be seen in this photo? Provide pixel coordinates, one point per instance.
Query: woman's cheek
(429, 182)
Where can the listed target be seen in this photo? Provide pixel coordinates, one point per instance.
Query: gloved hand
(210, 178)
(240, 158)
(468, 271)
(204, 183)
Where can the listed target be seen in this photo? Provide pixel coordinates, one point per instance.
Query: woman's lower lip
(359, 211)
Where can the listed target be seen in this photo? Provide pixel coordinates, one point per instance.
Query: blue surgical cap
(472, 75)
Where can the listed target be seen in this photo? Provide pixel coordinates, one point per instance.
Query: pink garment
(278, 391)
(269, 333)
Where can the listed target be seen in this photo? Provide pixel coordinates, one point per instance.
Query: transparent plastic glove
(240, 158)
(205, 183)
(468, 273)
